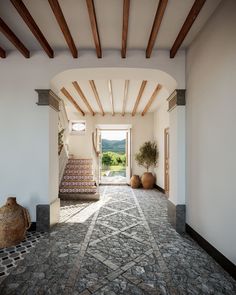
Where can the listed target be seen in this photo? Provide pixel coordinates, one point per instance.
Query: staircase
(78, 181)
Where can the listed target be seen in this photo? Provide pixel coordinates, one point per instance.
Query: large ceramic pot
(148, 180)
(14, 221)
(135, 181)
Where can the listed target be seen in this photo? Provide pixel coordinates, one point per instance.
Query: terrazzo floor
(121, 244)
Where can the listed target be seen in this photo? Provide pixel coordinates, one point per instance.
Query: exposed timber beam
(126, 5)
(8, 33)
(81, 94)
(94, 27)
(72, 100)
(111, 97)
(196, 8)
(2, 53)
(141, 90)
(64, 27)
(95, 92)
(125, 96)
(152, 98)
(28, 19)
(156, 26)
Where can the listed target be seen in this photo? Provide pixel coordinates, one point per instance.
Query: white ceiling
(109, 18)
(117, 77)
(118, 95)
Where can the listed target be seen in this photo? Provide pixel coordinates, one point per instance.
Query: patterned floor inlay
(121, 244)
(10, 257)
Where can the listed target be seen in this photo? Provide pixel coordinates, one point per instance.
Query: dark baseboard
(159, 188)
(32, 227)
(229, 266)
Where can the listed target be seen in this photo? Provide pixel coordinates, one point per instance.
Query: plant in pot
(147, 158)
(60, 140)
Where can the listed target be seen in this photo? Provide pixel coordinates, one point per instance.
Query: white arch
(66, 77)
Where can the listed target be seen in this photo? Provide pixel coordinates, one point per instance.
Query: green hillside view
(117, 146)
(113, 157)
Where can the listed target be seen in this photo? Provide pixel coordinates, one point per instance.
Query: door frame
(167, 160)
(115, 127)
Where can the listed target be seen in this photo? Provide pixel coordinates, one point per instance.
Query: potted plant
(147, 157)
(60, 140)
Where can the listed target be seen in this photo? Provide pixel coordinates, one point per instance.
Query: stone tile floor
(121, 244)
(10, 257)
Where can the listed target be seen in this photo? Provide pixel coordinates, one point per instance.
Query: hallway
(124, 245)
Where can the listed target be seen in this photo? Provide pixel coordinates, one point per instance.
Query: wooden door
(167, 160)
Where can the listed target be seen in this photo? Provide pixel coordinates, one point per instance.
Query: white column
(176, 202)
(177, 155)
(47, 214)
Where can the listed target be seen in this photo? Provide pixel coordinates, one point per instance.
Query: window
(78, 127)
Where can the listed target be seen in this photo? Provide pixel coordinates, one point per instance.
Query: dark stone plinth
(47, 215)
(176, 216)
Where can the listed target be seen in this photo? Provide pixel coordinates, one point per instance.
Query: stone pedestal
(176, 216)
(47, 215)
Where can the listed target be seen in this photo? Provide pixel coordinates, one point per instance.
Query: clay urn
(148, 180)
(14, 221)
(135, 181)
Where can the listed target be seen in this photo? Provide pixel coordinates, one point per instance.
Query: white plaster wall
(161, 121)
(24, 147)
(23, 150)
(53, 155)
(142, 130)
(211, 137)
(177, 155)
(42, 69)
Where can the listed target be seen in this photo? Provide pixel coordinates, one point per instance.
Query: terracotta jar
(135, 181)
(14, 221)
(148, 180)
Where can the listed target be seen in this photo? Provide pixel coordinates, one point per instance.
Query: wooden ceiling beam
(8, 33)
(196, 8)
(55, 6)
(95, 92)
(72, 100)
(152, 98)
(94, 27)
(156, 26)
(126, 6)
(125, 96)
(141, 90)
(111, 97)
(28, 19)
(81, 94)
(2, 53)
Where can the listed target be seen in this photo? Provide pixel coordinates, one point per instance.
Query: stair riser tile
(77, 190)
(80, 161)
(78, 177)
(79, 167)
(77, 183)
(76, 172)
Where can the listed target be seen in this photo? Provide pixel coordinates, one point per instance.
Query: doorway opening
(114, 162)
(113, 156)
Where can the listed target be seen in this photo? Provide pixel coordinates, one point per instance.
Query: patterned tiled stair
(78, 181)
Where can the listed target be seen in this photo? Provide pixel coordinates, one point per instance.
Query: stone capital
(177, 98)
(47, 97)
